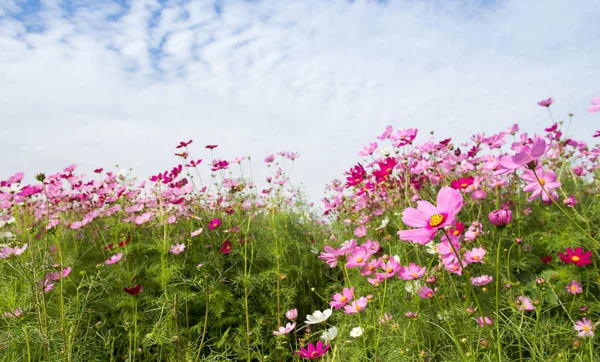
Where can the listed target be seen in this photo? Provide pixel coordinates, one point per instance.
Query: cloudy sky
(99, 82)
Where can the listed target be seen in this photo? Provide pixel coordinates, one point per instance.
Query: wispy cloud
(123, 82)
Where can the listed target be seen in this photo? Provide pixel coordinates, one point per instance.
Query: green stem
(498, 340)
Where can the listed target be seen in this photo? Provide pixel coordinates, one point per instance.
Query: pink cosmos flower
(474, 255)
(585, 328)
(359, 257)
(368, 149)
(341, 299)
(270, 158)
(570, 201)
(356, 306)
(427, 218)
(500, 218)
(7, 252)
(524, 303)
(177, 249)
(285, 330)
(483, 321)
(545, 102)
(574, 287)
(226, 247)
(143, 218)
(481, 280)
(390, 268)
(196, 232)
(113, 259)
(292, 314)
(577, 257)
(426, 292)
(58, 275)
(547, 179)
(360, 231)
(312, 351)
(527, 155)
(595, 105)
(412, 271)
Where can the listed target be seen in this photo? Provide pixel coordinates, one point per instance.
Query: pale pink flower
(177, 249)
(360, 231)
(113, 259)
(595, 105)
(143, 218)
(545, 102)
(292, 314)
(481, 280)
(58, 275)
(285, 330)
(585, 328)
(524, 303)
(546, 178)
(368, 149)
(197, 232)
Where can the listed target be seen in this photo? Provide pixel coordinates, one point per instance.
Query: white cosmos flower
(432, 248)
(385, 151)
(413, 286)
(384, 223)
(329, 334)
(318, 316)
(356, 332)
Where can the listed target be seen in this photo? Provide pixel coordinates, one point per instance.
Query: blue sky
(122, 82)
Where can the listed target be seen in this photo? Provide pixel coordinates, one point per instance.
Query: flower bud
(500, 218)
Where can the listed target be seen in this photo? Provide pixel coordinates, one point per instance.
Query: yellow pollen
(359, 260)
(476, 257)
(415, 274)
(586, 328)
(575, 258)
(463, 185)
(343, 299)
(371, 267)
(429, 294)
(358, 307)
(389, 270)
(456, 232)
(542, 182)
(574, 288)
(436, 220)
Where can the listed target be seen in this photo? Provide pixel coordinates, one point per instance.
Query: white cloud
(321, 78)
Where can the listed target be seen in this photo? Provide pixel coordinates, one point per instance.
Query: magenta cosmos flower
(427, 218)
(113, 259)
(313, 352)
(577, 257)
(545, 102)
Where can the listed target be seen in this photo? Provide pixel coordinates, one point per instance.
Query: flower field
(434, 251)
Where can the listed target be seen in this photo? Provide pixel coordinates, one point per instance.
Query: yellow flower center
(343, 299)
(586, 328)
(358, 308)
(415, 274)
(575, 258)
(359, 260)
(371, 267)
(476, 257)
(542, 182)
(463, 185)
(430, 294)
(389, 270)
(436, 220)
(574, 288)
